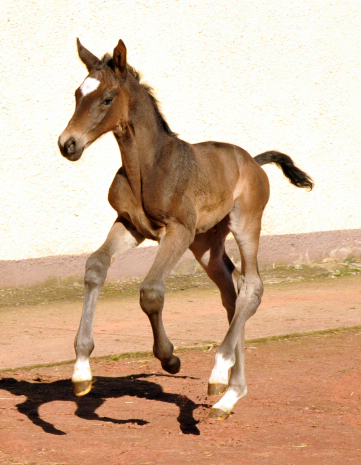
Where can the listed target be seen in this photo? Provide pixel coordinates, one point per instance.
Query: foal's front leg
(172, 246)
(122, 237)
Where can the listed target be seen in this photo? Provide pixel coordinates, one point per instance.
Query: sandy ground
(45, 333)
(303, 405)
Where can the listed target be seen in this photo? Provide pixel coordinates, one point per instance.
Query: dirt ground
(303, 405)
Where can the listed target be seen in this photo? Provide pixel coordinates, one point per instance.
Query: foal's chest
(128, 204)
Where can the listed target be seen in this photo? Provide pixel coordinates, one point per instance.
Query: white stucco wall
(271, 74)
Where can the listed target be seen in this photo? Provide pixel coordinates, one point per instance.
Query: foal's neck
(142, 137)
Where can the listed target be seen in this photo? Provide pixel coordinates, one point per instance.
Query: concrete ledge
(290, 248)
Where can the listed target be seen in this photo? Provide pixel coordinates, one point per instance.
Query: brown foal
(182, 196)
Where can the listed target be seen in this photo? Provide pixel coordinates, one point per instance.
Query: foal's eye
(107, 101)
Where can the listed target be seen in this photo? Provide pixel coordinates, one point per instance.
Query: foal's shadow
(39, 393)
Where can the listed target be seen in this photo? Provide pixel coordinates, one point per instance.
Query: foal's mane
(108, 61)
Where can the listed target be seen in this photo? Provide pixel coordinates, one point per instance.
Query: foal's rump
(225, 173)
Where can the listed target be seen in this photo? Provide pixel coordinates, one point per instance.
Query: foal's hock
(182, 196)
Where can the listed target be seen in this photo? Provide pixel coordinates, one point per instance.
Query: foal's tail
(296, 176)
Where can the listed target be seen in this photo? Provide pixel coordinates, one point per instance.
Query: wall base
(290, 248)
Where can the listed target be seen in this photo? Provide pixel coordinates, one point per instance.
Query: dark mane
(108, 61)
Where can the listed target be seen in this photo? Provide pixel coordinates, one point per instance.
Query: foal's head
(101, 101)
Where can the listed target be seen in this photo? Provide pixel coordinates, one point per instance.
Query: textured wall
(271, 74)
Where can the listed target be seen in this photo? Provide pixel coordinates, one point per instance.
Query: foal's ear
(87, 57)
(120, 60)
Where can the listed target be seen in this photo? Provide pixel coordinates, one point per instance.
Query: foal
(182, 196)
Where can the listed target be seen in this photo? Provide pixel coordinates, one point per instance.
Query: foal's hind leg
(230, 354)
(209, 250)
(121, 238)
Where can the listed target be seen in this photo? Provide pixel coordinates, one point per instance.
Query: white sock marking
(81, 371)
(220, 371)
(229, 400)
(89, 85)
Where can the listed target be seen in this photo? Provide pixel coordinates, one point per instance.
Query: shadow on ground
(40, 393)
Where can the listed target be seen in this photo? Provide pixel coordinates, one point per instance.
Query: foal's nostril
(70, 146)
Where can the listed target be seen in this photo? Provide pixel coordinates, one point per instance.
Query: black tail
(296, 176)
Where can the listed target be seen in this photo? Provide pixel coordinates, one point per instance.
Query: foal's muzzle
(71, 148)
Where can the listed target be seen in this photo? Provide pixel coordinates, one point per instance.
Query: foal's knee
(152, 297)
(96, 270)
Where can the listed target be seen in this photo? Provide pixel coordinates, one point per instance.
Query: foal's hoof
(172, 365)
(218, 414)
(80, 388)
(216, 389)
